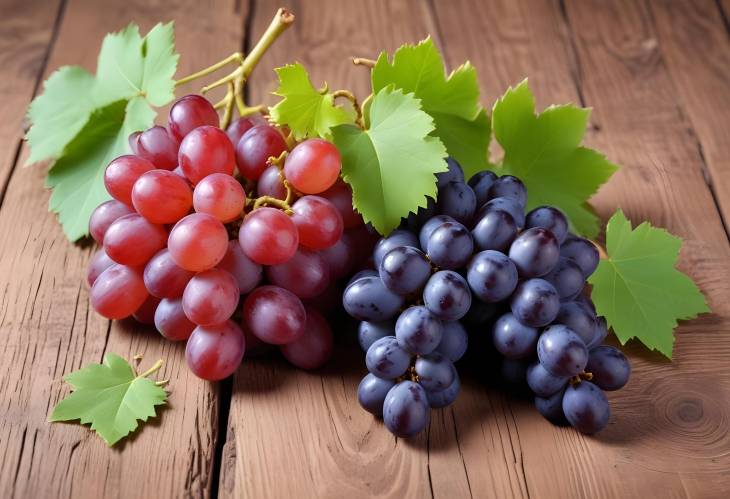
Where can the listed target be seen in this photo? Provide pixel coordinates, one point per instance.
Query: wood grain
(49, 330)
(26, 35)
(696, 50)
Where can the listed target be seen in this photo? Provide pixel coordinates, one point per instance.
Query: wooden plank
(696, 50)
(25, 39)
(298, 434)
(607, 57)
(49, 330)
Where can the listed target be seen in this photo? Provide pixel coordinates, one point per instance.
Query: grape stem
(363, 61)
(410, 373)
(574, 380)
(279, 163)
(236, 57)
(353, 100)
(237, 79)
(262, 201)
(282, 20)
(155, 367)
(284, 204)
(290, 140)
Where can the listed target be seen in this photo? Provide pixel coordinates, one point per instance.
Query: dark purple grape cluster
(474, 260)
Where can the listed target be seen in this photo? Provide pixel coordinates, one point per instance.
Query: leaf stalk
(155, 367)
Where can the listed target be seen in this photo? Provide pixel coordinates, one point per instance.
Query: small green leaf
(111, 397)
(306, 111)
(639, 290)
(82, 121)
(453, 101)
(544, 152)
(391, 165)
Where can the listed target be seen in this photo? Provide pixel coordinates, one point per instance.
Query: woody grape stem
(238, 77)
(353, 100)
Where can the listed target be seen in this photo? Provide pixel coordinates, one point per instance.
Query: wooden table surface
(657, 75)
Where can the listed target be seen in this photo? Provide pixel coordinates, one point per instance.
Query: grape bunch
(226, 239)
(474, 265)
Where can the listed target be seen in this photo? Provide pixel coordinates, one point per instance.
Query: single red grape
(190, 112)
(104, 215)
(306, 274)
(268, 236)
(256, 146)
(313, 166)
(122, 173)
(118, 292)
(220, 195)
(204, 151)
(318, 222)
(164, 278)
(210, 297)
(132, 240)
(215, 352)
(275, 315)
(198, 242)
(162, 197)
(171, 321)
(158, 147)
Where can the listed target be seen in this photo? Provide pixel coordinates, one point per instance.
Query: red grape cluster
(203, 220)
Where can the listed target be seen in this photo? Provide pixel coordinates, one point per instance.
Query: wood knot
(689, 410)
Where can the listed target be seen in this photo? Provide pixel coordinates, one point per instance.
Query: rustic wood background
(657, 74)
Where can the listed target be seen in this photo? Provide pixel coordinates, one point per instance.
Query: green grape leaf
(307, 112)
(544, 152)
(110, 396)
(638, 289)
(453, 101)
(82, 121)
(391, 165)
